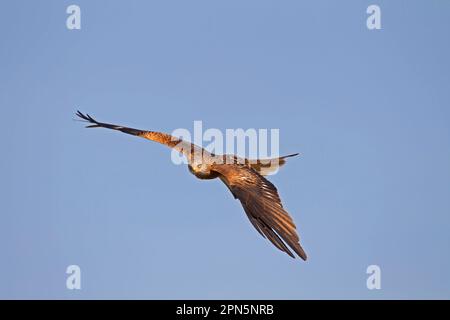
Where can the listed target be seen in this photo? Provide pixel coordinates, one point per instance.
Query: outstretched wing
(262, 204)
(188, 149)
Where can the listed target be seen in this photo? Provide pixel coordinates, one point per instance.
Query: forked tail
(267, 167)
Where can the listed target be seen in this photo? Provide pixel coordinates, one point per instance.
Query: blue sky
(368, 111)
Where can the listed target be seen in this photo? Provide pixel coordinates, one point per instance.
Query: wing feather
(186, 148)
(262, 204)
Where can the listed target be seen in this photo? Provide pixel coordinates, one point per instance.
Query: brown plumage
(243, 177)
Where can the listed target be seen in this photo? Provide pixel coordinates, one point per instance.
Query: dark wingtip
(88, 118)
(81, 115)
(302, 254)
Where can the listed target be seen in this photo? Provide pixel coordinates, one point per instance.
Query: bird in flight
(243, 177)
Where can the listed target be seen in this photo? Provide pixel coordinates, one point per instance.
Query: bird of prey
(243, 177)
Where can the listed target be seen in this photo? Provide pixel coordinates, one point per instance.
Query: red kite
(243, 177)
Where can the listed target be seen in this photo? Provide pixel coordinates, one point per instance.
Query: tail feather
(267, 167)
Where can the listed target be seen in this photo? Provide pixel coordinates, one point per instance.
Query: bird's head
(200, 170)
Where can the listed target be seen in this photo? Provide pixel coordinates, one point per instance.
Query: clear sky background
(368, 110)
